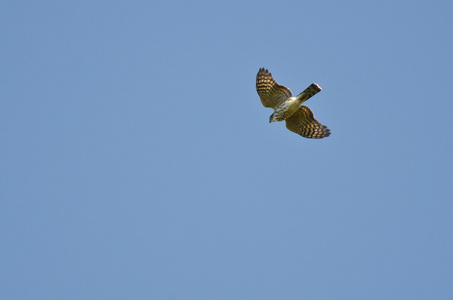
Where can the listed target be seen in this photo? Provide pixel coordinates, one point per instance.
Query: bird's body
(285, 110)
(298, 117)
(292, 104)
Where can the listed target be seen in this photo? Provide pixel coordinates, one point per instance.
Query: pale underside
(299, 120)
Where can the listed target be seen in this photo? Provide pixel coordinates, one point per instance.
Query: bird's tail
(309, 92)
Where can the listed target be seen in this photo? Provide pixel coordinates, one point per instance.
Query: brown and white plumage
(299, 118)
(303, 122)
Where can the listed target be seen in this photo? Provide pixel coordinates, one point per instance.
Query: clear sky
(138, 162)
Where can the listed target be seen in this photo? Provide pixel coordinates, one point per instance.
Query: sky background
(138, 162)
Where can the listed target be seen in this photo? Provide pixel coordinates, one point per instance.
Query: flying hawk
(299, 118)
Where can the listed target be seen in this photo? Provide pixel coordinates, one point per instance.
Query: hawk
(299, 118)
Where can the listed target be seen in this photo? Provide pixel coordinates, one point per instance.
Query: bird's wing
(304, 123)
(271, 93)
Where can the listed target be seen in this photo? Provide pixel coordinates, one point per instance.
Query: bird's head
(272, 118)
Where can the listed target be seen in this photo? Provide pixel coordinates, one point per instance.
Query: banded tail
(309, 92)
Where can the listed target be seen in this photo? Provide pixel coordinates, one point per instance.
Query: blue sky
(138, 162)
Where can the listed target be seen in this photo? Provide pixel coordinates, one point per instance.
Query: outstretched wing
(304, 123)
(271, 93)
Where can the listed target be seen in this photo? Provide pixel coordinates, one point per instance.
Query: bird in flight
(299, 118)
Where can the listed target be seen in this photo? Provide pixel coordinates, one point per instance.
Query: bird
(299, 118)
